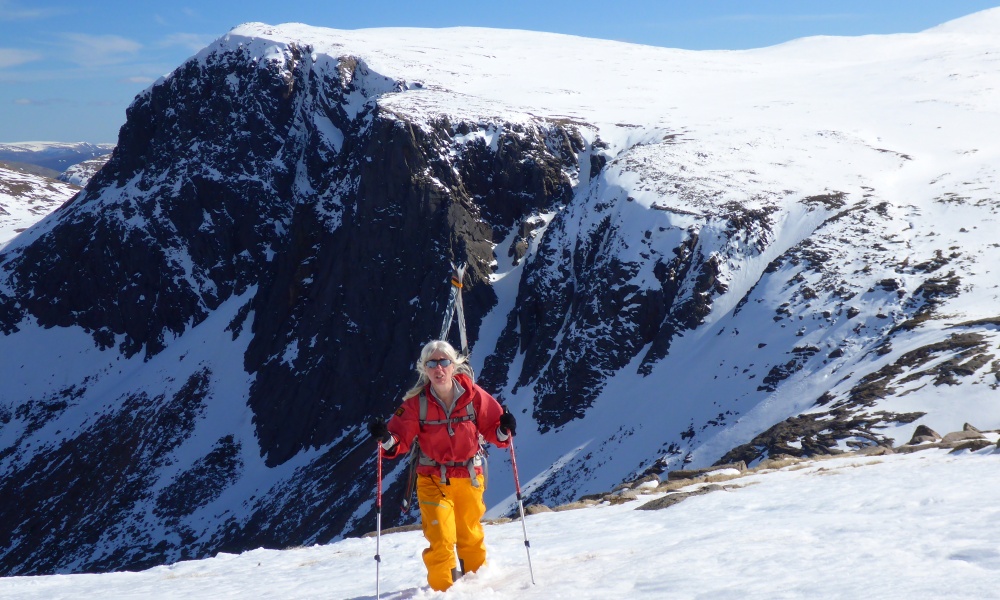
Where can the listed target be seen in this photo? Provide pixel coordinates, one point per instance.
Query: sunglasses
(444, 362)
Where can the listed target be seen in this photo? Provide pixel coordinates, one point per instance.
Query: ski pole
(520, 506)
(378, 522)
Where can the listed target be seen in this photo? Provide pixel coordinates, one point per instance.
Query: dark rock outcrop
(91, 479)
(243, 180)
(676, 497)
(250, 276)
(923, 435)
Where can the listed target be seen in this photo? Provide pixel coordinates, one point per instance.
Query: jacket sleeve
(404, 426)
(488, 414)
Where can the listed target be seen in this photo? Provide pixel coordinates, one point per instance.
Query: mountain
(27, 194)
(888, 527)
(81, 173)
(57, 156)
(676, 259)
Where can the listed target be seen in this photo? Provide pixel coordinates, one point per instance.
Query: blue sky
(69, 69)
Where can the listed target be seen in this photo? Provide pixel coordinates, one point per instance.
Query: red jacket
(435, 441)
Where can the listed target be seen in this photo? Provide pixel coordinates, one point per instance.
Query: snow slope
(25, 199)
(892, 527)
(870, 165)
(81, 173)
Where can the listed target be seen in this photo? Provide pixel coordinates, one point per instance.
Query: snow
(898, 526)
(908, 120)
(761, 127)
(626, 83)
(25, 199)
(902, 119)
(49, 146)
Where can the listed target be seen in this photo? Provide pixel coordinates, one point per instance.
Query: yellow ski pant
(450, 515)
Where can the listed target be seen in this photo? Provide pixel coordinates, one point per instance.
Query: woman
(445, 413)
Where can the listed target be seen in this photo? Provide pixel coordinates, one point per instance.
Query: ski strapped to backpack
(418, 458)
(455, 305)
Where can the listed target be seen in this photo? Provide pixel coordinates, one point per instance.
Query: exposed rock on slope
(661, 269)
(330, 224)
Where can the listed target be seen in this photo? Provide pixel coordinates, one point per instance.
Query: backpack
(419, 458)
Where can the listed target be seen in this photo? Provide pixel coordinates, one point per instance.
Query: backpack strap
(424, 460)
(470, 415)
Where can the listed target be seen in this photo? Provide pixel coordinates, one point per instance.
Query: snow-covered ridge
(695, 248)
(816, 529)
(57, 156)
(50, 146)
(601, 81)
(817, 134)
(985, 22)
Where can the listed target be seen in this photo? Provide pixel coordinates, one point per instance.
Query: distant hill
(80, 173)
(27, 194)
(30, 169)
(57, 156)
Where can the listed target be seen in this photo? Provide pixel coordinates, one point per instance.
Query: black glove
(378, 430)
(508, 424)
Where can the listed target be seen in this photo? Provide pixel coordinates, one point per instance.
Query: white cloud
(40, 101)
(11, 57)
(12, 11)
(139, 79)
(99, 50)
(192, 41)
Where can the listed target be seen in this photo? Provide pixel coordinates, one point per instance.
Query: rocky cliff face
(328, 226)
(197, 338)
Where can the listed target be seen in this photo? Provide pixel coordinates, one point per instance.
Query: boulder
(958, 436)
(535, 509)
(574, 505)
(672, 499)
(875, 451)
(651, 484)
(739, 467)
(643, 483)
(911, 448)
(924, 435)
(972, 445)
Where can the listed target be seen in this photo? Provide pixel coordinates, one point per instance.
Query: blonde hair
(461, 364)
